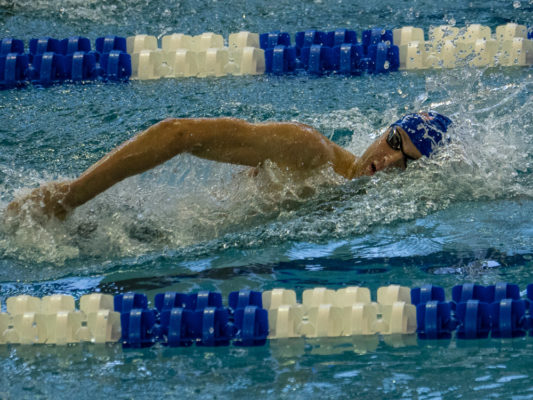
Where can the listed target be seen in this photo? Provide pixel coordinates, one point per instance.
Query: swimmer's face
(380, 155)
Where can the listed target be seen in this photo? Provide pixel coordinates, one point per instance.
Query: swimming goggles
(394, 140)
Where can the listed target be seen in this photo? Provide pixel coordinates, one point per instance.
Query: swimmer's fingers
(51, 198)
(13, 208)
(47, 200)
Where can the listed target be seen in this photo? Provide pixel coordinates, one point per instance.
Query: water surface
(461, 216)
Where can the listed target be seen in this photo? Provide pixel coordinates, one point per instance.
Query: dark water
(462, 216)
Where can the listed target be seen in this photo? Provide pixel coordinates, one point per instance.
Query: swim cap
(425, 129)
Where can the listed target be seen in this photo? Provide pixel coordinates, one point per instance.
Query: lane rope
(50, 61)
(249, 318)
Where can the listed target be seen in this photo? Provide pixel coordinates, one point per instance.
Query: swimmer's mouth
(373, 169)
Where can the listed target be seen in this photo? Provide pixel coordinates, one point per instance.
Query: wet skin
(292, 146)
(380, 155)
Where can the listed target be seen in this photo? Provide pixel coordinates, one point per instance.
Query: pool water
(461, 216)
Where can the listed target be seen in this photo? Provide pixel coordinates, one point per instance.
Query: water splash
(194, 205)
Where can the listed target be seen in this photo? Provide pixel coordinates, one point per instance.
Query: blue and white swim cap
(425, 129)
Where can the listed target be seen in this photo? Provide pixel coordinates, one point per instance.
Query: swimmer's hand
(47, 200)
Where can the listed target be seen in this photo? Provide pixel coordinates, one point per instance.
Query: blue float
(80, 66)
(74, 44)
(339, 37)
(211, 326)
(377, 53)
(376, 35)
(470, 291)
(174, 328)
(206, 299)
(10, 45)
(251, 323)
(317, 58)
(473, 317)
(169, 300)
(434, 320)
(378, 56)
(309, 38)
(47, 68)
(126, 302)
(13, 69)
(529, 292)
(108, 44)
(393, 57)
(347, 58)
(529, 295)
(502, 291)
(137, 328)
(508, 318)
(244, 298)
(273, 39)
(115, 65)
(426, 293)
(281, 59)
(44, 45)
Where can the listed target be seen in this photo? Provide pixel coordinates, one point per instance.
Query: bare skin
(292, 146)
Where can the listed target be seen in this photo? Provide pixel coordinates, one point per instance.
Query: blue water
(462, 216)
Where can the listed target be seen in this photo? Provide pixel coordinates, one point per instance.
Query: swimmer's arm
(293, 146)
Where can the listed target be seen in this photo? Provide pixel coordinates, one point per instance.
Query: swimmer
(292, 146)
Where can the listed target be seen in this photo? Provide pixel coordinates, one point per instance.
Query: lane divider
(48, 61)
(336, 51)
(54, 320)
(203, 55)
(250, 318)
(51, 61)
(451, 47)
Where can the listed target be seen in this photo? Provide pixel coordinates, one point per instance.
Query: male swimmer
(292, 146)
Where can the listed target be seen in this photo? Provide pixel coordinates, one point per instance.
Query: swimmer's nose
(377, 165)
(369, 169)
(381, 164)
(373, 168)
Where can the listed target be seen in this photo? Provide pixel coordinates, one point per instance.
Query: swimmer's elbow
(169, 123)
(167, 131)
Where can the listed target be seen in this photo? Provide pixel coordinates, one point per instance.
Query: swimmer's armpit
(48, 200)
